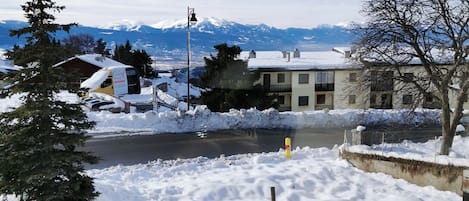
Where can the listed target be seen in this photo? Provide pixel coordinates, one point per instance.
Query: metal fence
(372, 136)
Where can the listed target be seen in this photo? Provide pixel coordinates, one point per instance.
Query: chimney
(288, 56)
(296, 53)
(347, 54)
(252, 54)
(284, 54)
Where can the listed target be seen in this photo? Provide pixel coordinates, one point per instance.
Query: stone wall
(442, 177)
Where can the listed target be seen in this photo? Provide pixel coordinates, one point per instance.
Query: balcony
(278, 87)
(383, 86)
(322, 107)
(324, 87)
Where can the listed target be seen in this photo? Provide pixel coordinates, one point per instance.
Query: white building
(330, 79)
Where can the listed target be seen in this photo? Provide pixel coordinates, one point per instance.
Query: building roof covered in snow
(7, 66)
(337, 58)
(97, 60)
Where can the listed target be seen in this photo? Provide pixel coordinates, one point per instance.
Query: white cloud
(279, 13)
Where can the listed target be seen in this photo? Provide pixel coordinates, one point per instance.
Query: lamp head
(193, 19)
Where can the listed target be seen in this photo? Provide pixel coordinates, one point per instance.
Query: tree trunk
(447, 135)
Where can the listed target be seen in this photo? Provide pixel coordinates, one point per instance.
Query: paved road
(141, 149)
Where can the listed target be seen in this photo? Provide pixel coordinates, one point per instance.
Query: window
(106, 83)
(428, 98)
(407, 99)
(280, 78)
(382, 81)
(303, 101)
(351, 99)
(324, 81)
(303, 78)
(326, 77)
(373, 99)
(281, 100)
(321, 99)
(352, 77)
(408, 77)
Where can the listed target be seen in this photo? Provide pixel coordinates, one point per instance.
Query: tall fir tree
(38, 140)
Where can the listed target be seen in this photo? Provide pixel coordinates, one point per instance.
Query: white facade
(331, 79)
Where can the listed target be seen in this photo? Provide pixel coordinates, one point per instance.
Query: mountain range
(168, 40)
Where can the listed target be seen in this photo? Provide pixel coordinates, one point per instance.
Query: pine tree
(100, 48)
(231, 84)
(139, 59)
(123, 53)
(80, 43)
(38, 140)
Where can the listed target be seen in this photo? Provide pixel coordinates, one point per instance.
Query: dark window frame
(303, 100)
(281, 78)
(352, 77)
(322, 100)
(407, 99)
(408, 77)
(281, 100)
(352, 99)
(303, 78)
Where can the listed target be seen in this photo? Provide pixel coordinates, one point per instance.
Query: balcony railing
(324, 87)
(278, 87)
(322, 106)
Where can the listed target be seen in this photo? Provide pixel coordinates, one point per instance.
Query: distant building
(85, 65)
(331, 79)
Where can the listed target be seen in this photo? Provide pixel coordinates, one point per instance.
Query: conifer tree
(100, 48)
(139, 59)
(230, 83)
(38, 140)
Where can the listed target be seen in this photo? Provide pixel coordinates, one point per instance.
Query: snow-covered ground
(427, 151)
(311, 174)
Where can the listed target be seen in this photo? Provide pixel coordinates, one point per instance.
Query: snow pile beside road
(202, 119)
(311, 174)
(428, 151)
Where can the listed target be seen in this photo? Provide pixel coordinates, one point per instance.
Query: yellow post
(288, 147)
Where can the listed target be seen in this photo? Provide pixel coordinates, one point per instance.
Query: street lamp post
(191, 19)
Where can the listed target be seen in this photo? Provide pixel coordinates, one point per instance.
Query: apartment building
(333, 80)
(308, 80)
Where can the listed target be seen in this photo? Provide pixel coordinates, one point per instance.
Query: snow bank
(311, 174)
(202, 119)
(428, 151)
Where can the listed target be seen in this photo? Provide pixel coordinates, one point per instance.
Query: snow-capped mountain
(201, 23)
(168, 38)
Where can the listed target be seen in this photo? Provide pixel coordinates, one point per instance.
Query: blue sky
(278, 13)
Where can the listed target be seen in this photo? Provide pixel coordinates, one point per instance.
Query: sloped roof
(314, 60)
(8, 66)
(95, 59)
(95, 80)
